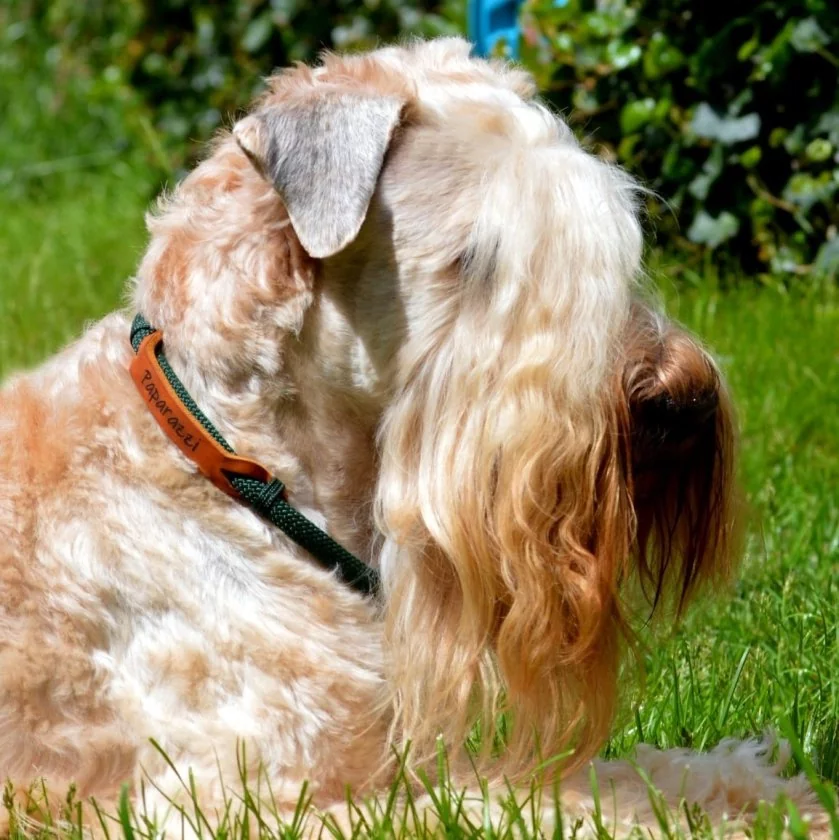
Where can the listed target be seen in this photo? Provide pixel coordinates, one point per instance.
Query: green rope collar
(266, 495)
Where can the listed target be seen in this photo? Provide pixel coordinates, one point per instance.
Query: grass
(75, 179)
(764, 657)
(65, 260)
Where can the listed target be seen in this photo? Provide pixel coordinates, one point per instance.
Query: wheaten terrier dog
(398, 306)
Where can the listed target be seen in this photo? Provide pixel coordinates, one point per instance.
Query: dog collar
(245, 480)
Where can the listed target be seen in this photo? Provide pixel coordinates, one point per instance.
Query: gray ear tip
(321, 241)
(320, 251)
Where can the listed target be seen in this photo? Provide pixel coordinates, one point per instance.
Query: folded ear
(324, 155)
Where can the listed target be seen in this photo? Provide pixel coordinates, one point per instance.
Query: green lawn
(766, 655)
(65, 260)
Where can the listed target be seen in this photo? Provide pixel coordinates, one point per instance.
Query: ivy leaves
(732, 119)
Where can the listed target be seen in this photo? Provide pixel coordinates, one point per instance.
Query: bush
(196, 62)
(729, 111)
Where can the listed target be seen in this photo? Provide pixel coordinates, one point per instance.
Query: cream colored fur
(446, 392)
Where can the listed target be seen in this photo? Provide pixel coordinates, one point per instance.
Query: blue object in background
(492, 20)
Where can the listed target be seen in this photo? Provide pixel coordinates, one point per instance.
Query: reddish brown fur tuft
(680, 424)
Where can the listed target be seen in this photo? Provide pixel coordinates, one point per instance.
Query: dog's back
(58, 426)
(137, 601)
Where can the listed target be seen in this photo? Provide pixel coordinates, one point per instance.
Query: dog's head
(543, 439)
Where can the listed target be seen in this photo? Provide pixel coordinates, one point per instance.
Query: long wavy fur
(508, 480)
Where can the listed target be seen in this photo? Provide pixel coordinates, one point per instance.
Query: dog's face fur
(460, 279)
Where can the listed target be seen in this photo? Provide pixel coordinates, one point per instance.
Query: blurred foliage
(729, 112)
(197, 62)
(59, 121)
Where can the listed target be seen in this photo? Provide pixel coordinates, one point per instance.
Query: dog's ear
(324, 155)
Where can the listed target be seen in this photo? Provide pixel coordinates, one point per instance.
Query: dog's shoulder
(53, 421)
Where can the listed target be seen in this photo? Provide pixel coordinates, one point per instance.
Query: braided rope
(266, 498)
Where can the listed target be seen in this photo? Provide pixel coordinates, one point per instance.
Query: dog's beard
(521, 516)
(682, 460)
(512, 536)
(501, 477)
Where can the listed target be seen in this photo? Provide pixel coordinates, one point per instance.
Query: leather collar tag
(182, 428)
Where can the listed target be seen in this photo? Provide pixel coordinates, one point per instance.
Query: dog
(399, 307)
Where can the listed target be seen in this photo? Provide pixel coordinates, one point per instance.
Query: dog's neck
(227, 282)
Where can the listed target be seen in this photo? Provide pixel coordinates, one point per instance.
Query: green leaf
(701, 185)
(818, 150)
(564, 43)
(154, 64)
(205, 32)
(743, 98)
(675, 166)
(777, 136)
(786, 261)
(635, 115)
(661, 57)
(766, 59)
(584, 100)
(706, 230)
(257, 33)
(283, 11)
(708, 124)
(622, 55)
(808, 36)
(829, 124)
(794, 141)
(748, 48)
(626, 147)
(827, 259)
(662, 109)
(805, 191)
(600, 25)
(751, 157)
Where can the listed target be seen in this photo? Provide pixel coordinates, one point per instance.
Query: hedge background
(729, 112)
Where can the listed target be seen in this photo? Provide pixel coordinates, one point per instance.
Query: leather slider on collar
(179, 425)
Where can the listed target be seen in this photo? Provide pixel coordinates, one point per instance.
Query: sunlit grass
(769, 653)
(418, 809)
(65, 260)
